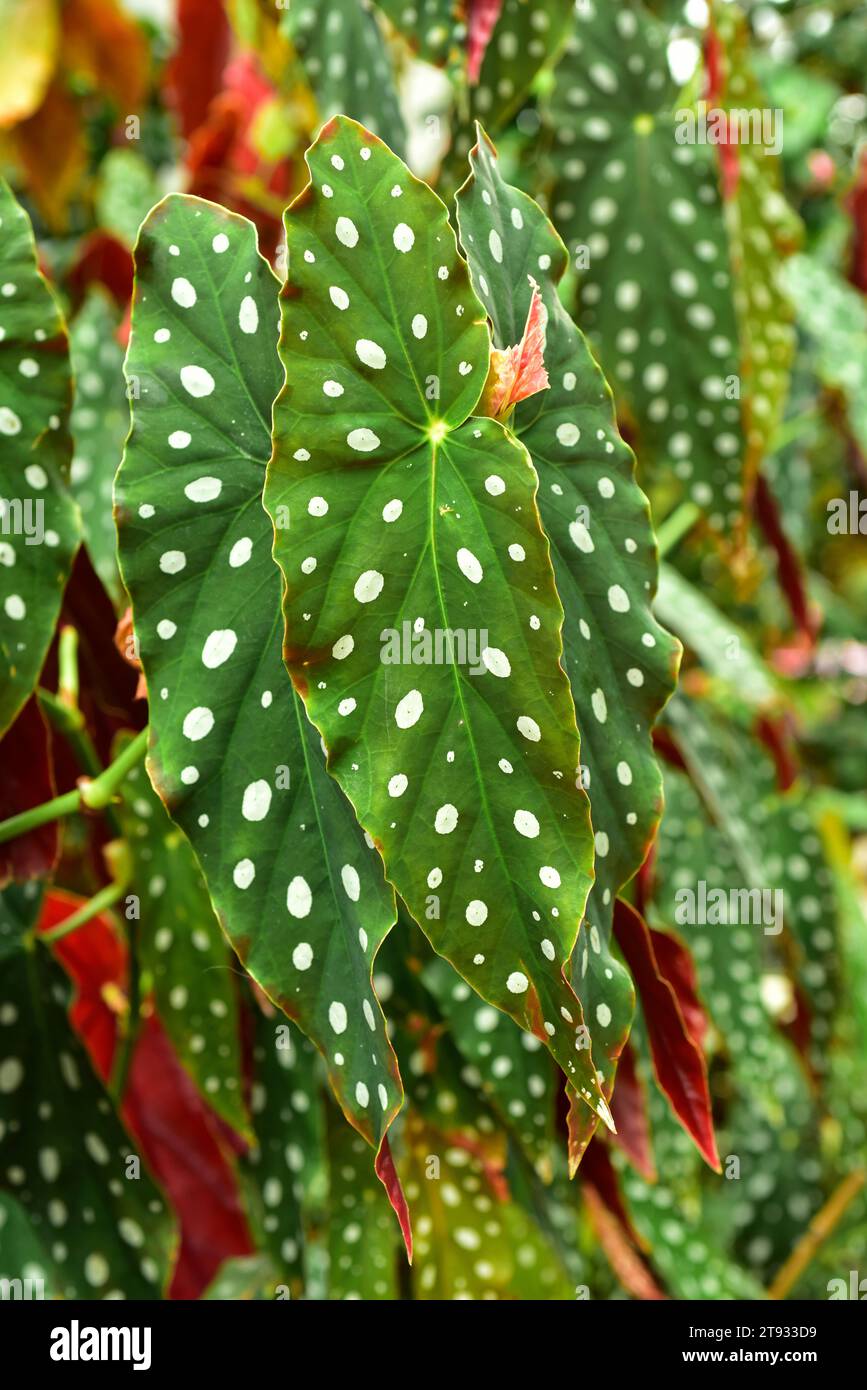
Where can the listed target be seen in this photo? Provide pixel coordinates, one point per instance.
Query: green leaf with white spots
(528, 35)
(729, 959)
(770, 1114)
(435, 29)
(763, 231)
(244, 1278)
(799, 866)
(621, 664)
(399, 516)
(669, 1215)
(299, 893)
(61, 1138)
(363, 1241)
(183, 951)
(642, 215)
(40, 523)
(23, 1255)
(99, 423)
(512, 1071)
(723, 648)
(472, 1240)
(735, 779)
(285, 1161)
(347, 62)
(834, 317)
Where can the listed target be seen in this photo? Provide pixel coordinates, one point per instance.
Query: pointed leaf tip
(386, 1171)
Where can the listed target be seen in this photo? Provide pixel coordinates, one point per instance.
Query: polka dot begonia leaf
(100, 419)
(724, 649)
(435, 29)
(771, 1112)
(347, 61)
(244, 1278)
(362, 1237)
(183, 952)
(734, 778)
(472, 1242)
(763, 232)
(285, 1161)
(689, 1249)
(299, 893)
(834, 317)
(60, 1134)
(527, 35)
(641, 214)
(729, 959)
(23, 1255)
(621, 664)
(39, 523)
(510, 1066)
(423, 627)
(798, 865)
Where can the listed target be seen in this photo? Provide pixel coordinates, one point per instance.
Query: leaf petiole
(95, 793)
(92, 908)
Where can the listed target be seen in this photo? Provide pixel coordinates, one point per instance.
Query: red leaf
(729, 156)
(776, 732)
(790, 571)
(94, 957)
(101, 260)
(629, 1108)
(857, 207)
(194, 73)
(519, 371)
(677, 1059)
(223, 162)
(598, 1171)
(677, 967)
(28, 780)
(184, 1147)
(481, 20)
(387, 1173)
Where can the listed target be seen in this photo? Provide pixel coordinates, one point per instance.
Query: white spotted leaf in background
(657, 298)
(61, 1140)
(348, 63)
(184, 951)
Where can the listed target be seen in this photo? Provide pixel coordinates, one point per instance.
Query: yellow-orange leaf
(27, 56)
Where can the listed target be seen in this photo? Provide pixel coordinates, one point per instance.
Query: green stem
(675, 526)
(99, 792)
(98, 903)
(126, 1047)
(39, 815)
(95, 795)
(70, 723)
